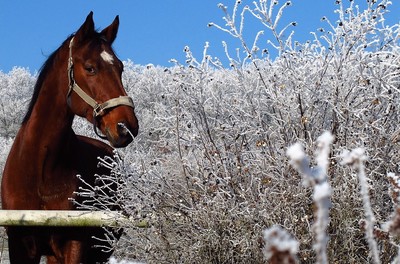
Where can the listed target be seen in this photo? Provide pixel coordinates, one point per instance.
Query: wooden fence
(60, 218)
(65, 218)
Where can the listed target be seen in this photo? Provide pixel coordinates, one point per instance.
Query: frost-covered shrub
(5, 143)
(115, 261)
(210, 165)
(15, 90)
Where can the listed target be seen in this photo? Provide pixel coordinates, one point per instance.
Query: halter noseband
(98, 108)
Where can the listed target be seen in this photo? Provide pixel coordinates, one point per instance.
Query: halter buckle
(98, 110)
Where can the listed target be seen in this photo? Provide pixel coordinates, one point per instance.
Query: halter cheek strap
(98, 108)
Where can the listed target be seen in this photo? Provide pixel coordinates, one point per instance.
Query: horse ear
(87, 29)
(110, 32)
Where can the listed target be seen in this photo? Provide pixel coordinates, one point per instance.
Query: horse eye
(90, 69)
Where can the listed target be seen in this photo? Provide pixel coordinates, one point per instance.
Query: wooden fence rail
(65, 218)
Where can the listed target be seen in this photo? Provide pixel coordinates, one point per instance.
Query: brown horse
(82, 77)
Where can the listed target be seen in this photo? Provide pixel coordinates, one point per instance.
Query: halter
(98, 108)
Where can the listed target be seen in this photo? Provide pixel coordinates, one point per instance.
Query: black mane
(44, 70)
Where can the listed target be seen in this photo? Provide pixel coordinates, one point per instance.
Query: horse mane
(44, 70)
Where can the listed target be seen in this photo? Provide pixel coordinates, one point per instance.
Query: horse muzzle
(121, 135)
(119, 126)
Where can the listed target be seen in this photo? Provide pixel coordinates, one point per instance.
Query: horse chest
(56, 187)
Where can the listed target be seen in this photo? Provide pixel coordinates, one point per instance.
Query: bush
(15, 90)
(210, 169)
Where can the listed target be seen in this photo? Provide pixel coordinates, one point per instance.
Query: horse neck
(51, 120)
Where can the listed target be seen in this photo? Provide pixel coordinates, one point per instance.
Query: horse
(82, 77)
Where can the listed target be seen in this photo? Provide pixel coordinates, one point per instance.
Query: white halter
(98, 108)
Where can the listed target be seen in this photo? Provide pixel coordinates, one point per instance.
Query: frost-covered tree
(15, 90)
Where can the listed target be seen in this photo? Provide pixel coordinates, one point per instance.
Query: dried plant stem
(316, 177)
(356, 159)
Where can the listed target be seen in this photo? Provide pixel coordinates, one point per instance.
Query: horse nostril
(122, 129)
(122, 136)
(125, 130)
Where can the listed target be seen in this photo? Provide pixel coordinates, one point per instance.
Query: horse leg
(66, 251)
(22, 246)
(52, 260)
(67, 258)
(74, 252)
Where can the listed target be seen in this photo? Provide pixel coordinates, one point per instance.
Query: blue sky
(150, 31)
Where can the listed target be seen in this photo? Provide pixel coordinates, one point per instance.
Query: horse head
(95, 85)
